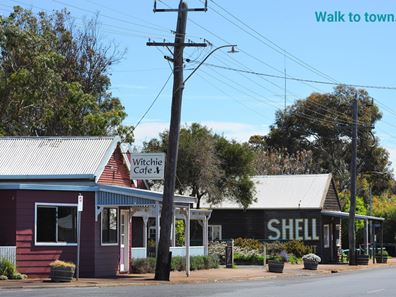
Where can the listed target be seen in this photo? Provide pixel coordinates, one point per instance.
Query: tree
(322, 124)
(54, 79)
(279, 161)
(210, 166)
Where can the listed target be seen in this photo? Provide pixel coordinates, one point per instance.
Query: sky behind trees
(230, 102)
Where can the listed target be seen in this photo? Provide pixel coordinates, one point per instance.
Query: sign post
(148, 166)
(79, 210)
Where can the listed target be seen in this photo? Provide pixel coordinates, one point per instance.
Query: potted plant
(362, 259)
(62, 271)
(277, 263)
(382, 258)
(311, 261)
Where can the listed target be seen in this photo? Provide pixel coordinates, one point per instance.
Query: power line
(299, 79)
(268, 42)
(152, 103)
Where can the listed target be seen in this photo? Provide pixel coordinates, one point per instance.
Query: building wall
(116, 172)
(107, 258)
(35, 260)
(331, 201)
(7, 217)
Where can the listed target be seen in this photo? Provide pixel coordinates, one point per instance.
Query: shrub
(298, 248)
(253, 259)
(294, 260)
(3, 277)
(18, 275)
(59, 263)
(197, 263)
(311, 258)
(178, 263)
(143, 265)
(249, 243)
(7, 268)
(274, 248)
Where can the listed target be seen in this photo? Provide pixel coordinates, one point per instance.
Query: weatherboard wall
(116, 171)
(7, 218)
(34, 260)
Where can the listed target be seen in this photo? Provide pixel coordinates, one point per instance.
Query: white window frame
(338, 235)
(326, 236)
(118, 227)
(50, 205)
(220, 231)
(155, 232)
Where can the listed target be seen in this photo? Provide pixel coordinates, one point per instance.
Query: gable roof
(306, 191)
(55, 157)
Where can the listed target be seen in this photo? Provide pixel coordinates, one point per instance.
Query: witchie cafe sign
(148, 166)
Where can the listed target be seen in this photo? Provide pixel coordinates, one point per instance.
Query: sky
(271, 36)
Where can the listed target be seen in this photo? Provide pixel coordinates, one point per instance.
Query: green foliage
(143, 265)
(7, 268)
(293, 259)
(249, 243)
(3, 277)
(297, 248)
(210, 166)
(250, 259)
(322, 124)
(54, 77)
(279, 161)
(180, 239)
(385, 206)
(178, 264)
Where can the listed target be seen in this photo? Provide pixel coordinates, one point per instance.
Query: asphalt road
(375, 282)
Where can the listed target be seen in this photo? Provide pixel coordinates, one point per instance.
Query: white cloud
(392, 155)
(148, 130)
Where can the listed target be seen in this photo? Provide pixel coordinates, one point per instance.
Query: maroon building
(40, 181)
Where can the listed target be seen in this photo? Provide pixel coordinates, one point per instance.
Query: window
(214, 232)
(152, 231)
(338, 235)
(110, 226)
(56, 224)
(326, 236)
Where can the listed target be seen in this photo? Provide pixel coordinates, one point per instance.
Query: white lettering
(306, 230)
(314, 231)
(288, 227)
(273, 229)
(298, 229)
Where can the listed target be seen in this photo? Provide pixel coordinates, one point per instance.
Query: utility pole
(162, 265)
(352, 210)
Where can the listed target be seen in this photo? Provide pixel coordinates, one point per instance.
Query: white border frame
(326, 236)
(53, 205)
(118, 227)
(220, 229)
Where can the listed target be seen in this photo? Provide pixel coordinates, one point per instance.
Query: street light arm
(203, 61)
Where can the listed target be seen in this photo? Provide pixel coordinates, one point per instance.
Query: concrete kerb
(244, 273)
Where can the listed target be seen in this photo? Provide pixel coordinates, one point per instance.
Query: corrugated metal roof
(54, 157)
(285, 192)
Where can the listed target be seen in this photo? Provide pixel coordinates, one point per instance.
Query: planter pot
(276, 267)
(310, 265)
(362, 259)
(62, 274)
(381, 259)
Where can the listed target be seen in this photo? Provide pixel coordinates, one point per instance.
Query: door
(124, 241)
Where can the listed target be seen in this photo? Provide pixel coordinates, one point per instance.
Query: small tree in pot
(62, 271)
(382, 258)
(277, 263)
(311, 261)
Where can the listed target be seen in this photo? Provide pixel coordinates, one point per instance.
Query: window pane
(46, 224)
(67, 224)
(109, 225)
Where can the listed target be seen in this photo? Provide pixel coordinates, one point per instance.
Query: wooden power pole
(162, 268)
(352, 209)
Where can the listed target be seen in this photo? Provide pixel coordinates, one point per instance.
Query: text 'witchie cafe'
(148, 166)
